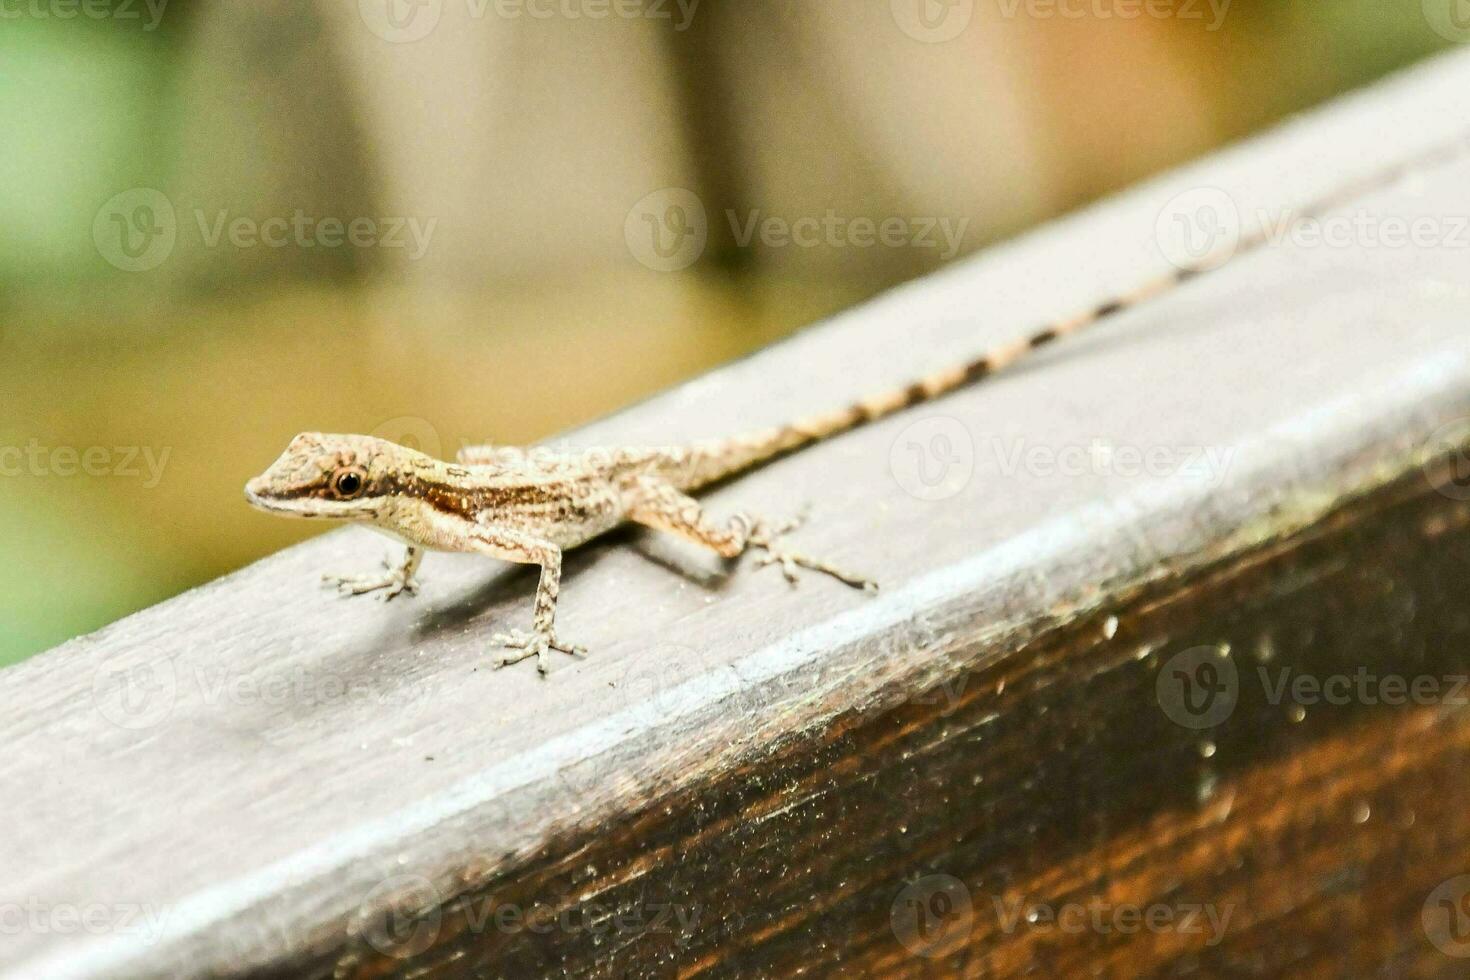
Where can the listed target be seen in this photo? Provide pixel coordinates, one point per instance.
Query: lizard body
(528, 507)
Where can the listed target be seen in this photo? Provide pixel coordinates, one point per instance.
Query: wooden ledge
(743, 778)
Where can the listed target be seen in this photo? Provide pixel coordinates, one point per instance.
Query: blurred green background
(453, 221)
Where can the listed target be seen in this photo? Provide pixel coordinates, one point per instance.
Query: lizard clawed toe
(787, 563)
(523, 646)
(391, 585)
(791, 561)
(398, 588)
(389, 588)
(767, 539)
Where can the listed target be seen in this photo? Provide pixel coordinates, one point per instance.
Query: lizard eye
(348, 483)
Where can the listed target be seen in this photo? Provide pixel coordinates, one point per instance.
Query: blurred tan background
(448, 221)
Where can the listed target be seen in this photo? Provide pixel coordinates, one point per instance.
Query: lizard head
(332, 477)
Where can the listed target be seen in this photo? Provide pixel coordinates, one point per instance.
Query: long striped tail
(713, 461)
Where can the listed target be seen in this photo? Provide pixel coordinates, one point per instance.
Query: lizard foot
(523, 646)
(768, 539)
(393, 583)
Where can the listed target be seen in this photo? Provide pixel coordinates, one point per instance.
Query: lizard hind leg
(664, 508)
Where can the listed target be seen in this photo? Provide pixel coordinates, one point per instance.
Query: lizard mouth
(255, 499)
(259, 500)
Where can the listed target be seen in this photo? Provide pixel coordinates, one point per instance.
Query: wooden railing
(1165, 677)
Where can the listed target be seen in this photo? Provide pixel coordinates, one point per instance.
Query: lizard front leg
(526, 549)
(660, 505)
(394, 582)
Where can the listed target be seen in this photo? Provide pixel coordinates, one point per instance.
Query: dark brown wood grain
(1262, 469)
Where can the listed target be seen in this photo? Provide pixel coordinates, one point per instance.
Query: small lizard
(530, 507)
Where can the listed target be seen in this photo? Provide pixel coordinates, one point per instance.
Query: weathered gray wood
(293, 754)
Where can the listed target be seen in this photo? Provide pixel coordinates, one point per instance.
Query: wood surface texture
(1253, 474)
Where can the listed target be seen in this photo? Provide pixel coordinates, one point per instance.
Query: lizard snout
(254, 489)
